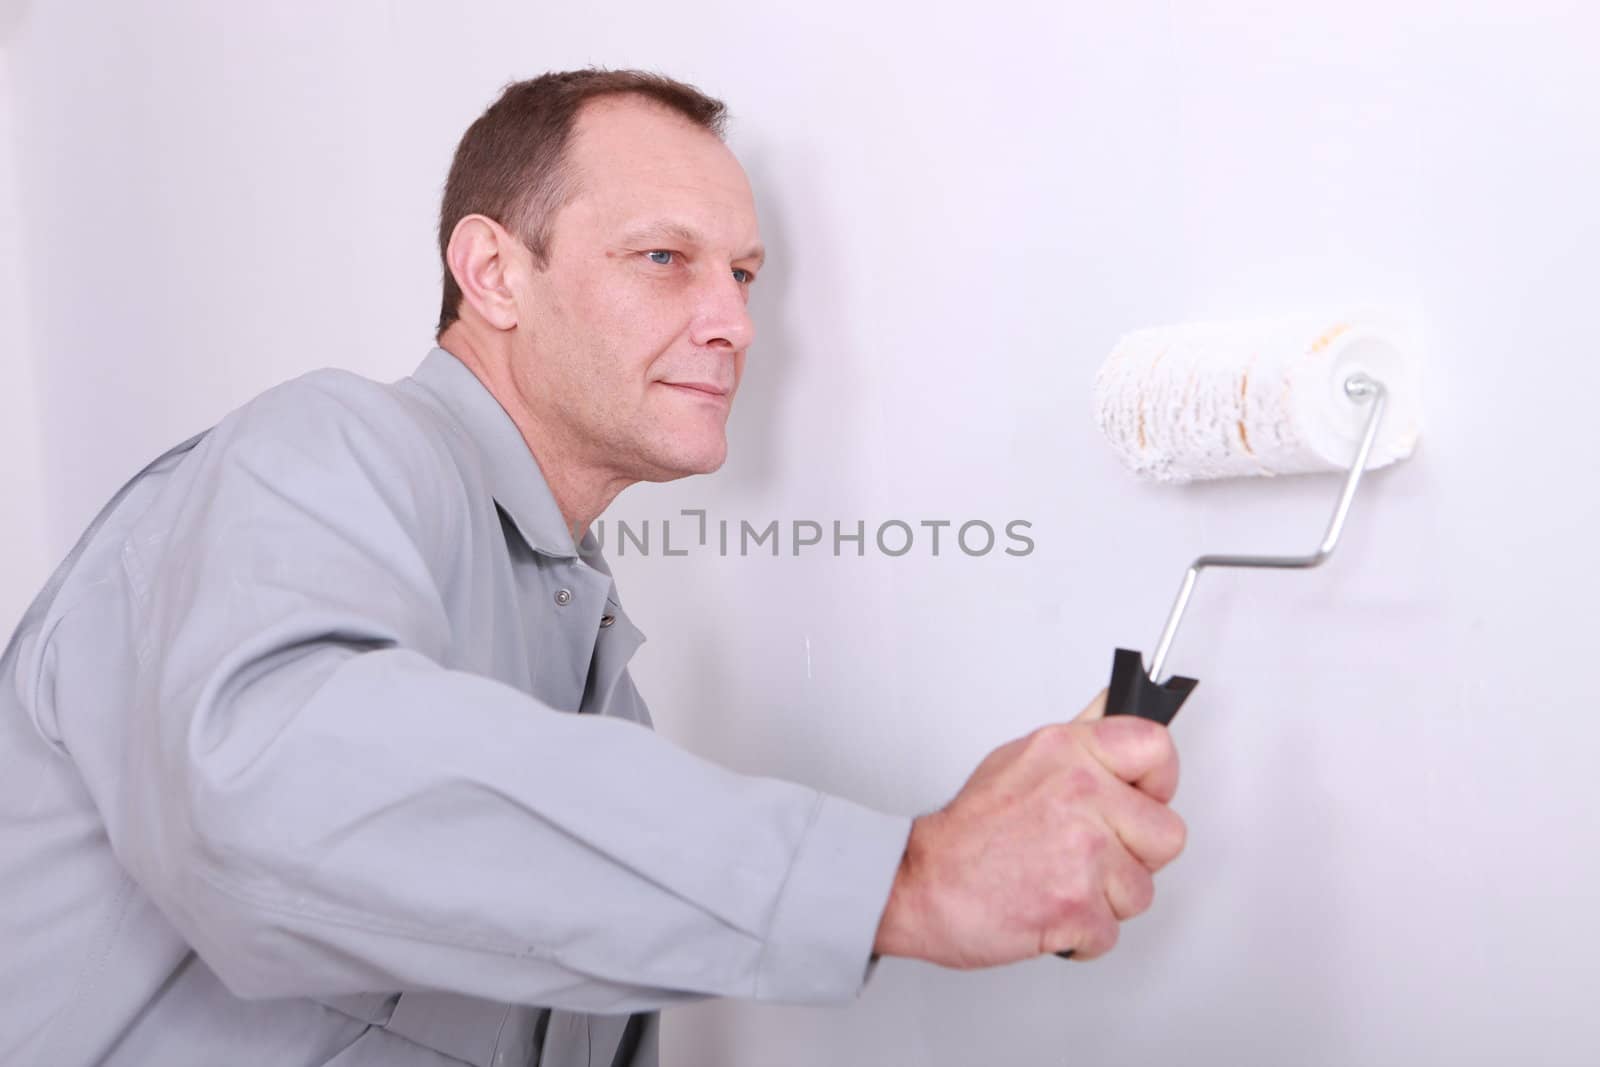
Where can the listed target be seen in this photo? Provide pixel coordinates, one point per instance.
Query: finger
(1161, 782)
(1130, 890)
(1092, 939)
(1138, 751)
(1150, 831)
(1096, 709)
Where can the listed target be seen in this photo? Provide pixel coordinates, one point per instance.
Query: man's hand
(1050, 844)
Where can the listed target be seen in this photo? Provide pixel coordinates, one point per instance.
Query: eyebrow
(678, 231)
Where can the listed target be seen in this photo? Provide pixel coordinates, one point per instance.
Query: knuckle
(1073, 892)
(1070, 907)
(1050, 740)
(1084, 844)
(1078, 784)
(1077, 887)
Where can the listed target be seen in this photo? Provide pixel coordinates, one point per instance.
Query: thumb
(1095, 710)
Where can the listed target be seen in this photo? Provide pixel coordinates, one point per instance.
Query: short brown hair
(510, 164)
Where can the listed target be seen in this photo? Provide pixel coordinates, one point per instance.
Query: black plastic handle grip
(1133, 692)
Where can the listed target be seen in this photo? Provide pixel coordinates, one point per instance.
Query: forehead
(636, 161)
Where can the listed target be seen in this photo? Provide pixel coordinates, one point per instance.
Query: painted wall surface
(1389, 766)
(22, 472)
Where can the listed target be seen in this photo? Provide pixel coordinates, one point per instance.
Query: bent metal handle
(1357, 387)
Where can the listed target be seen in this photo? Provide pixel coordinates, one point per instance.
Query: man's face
(632, 343)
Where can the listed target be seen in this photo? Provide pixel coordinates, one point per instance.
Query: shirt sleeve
(321, 808)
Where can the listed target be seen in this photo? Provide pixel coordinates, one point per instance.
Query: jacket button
(563, 597)
(607, 620)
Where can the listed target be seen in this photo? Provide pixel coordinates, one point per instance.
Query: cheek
(626, 329)
(656, 355)
(606, 357)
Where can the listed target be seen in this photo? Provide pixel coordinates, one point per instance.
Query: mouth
(701, 389)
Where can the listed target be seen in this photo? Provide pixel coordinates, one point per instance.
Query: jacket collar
(515, 480)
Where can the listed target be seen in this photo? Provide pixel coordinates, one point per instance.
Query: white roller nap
(1230, 399)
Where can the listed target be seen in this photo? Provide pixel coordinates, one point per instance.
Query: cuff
(828, 912)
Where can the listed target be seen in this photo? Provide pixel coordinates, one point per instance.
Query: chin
(707, 461)
(689, 455)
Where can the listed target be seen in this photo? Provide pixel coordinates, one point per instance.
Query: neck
(582, 490)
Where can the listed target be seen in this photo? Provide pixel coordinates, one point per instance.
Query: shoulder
(342, 409)
(338, 417)
(341, 441)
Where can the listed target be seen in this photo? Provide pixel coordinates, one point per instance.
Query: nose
(722, 319)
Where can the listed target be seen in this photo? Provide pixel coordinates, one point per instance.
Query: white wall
(1388, 766)
(21, 472)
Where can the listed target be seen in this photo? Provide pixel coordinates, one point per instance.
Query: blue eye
(660, 252)
(747, 276)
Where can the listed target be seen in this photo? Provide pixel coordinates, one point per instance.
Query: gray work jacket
(320, 748)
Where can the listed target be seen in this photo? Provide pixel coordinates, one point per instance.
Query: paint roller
(1233, 399)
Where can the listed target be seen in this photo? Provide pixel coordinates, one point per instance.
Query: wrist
(900, 931)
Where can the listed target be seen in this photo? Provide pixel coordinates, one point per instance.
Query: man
(320, 746)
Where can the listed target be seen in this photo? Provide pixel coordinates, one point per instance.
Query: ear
(483, 258)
